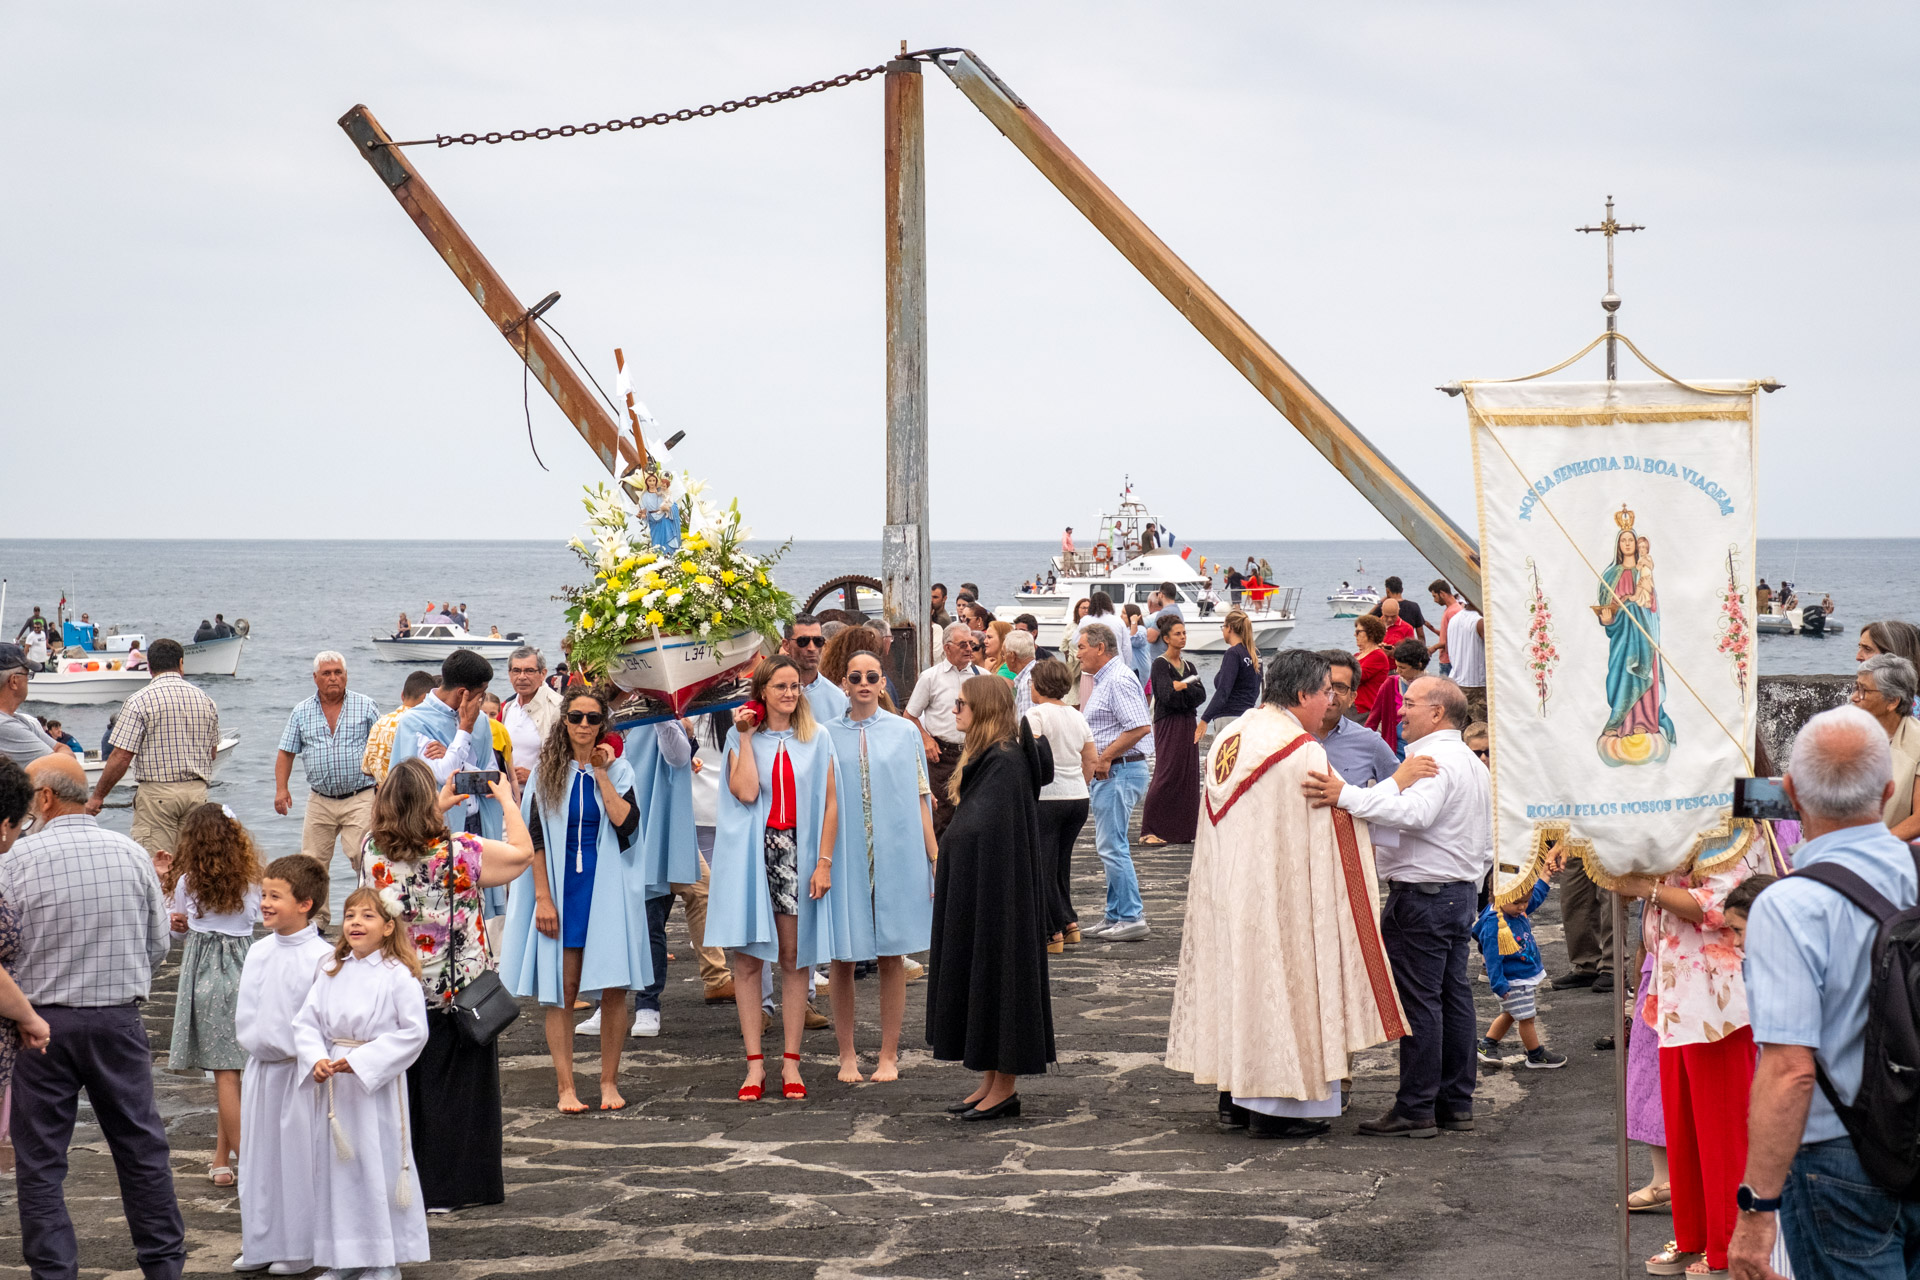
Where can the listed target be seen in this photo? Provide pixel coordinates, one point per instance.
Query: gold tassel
(1508, 947)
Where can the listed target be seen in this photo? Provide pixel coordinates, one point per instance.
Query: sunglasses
(1483, 753)
(959, 703)
(979, 647)
(585, 717)
(864, 677)
(818, 642)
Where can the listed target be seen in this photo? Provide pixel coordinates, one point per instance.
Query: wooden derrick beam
(529, 341)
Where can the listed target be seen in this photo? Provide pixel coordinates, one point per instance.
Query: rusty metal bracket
(1393, 495)
(510, 316)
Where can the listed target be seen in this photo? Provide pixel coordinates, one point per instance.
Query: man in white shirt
(931, 708)
(1433, 875)
(1467, 648)
(531, 713)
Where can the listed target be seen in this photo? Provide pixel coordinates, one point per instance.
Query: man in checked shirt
(168, 731)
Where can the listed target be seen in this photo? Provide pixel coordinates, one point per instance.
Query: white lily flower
(646, 601)
(674, 599)
(621, 619)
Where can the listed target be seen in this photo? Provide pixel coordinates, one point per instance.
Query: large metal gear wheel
(848, 587)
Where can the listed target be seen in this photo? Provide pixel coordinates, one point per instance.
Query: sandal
(1073, 933)
(1672, 1261)
(752, 1092)
(792, 1088)
(1057, 946)
(221, 1176)
(1650, 1199)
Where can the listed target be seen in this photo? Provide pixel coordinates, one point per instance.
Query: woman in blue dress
(773, 853)
(662, 514)
(577, 918)
(882, 903)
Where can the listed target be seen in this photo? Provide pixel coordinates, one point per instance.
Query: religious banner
(1617, 544)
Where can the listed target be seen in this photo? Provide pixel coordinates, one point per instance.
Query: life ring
(1101, 553)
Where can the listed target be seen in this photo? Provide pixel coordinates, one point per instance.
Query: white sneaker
(1132, 931)
(646, 1022)
(381, 1273)
(242, 1263)
(342, 1273)
(291, 1268)
(591, 1027)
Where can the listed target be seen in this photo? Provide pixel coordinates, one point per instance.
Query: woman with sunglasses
(773, 854)
(577, 919)
(987, 1000)
(882, 903)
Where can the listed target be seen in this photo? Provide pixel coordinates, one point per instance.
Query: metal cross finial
(1610, 228)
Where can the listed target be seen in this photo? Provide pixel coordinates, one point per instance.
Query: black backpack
(1884, 1120)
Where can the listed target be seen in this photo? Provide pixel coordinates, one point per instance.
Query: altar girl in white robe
(278, 1137)
(363, 1024)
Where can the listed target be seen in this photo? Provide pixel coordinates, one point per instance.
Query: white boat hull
(387, 649)
(94, 766)
(213, 657)
(676, 669)
(1351, 604)
(83, 688)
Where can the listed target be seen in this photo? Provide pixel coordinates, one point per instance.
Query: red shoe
(791, 1089)
(752, 1092)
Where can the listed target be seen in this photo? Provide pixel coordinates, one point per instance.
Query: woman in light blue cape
(882, 899)
(577, 918)
(773, 853)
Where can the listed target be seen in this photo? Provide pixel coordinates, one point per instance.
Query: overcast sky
(218, 323)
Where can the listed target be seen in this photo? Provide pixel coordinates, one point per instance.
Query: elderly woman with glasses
(1884, 688)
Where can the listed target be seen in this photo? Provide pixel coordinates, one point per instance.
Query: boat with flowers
(678, 611)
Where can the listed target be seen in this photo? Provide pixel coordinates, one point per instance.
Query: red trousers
(1703, 1089)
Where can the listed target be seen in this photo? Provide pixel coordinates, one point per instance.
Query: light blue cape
(827, 700)
(739, 908)
(891, 915)
(617, 953)
(669, 846)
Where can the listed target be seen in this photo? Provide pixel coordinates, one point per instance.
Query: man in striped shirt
(168, 732)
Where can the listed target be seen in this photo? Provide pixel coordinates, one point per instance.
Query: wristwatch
(1751, 1203)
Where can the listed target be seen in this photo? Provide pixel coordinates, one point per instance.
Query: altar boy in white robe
(277, 1131)
(361, 1027)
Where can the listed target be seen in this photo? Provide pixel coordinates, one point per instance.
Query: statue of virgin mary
(1637, 730)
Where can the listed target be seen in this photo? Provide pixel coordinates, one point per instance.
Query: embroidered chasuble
(1282, 971)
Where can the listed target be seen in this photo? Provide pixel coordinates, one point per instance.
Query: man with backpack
(1842, 1183)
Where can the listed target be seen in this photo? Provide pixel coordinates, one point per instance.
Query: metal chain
(640, 122)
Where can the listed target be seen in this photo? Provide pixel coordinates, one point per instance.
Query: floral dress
(9, 1032)
(1699, 994)
(436, 923)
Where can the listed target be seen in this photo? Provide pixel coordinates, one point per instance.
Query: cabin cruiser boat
(1348, 602)
(1116, 564)
(436, 641)
(94, 764)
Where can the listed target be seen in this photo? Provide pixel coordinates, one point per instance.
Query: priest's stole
(1617, 536)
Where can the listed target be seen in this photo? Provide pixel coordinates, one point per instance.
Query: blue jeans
(1113, 798)
(1841, 1226)
(648, 997)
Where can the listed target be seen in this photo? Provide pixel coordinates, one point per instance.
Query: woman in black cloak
(987, 1000)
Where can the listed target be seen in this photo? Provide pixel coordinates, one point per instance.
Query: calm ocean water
(301, 597)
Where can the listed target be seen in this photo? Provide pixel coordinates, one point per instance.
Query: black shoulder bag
(484, 1007)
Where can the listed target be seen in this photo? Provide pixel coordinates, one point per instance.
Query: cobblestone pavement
(1116, 1170)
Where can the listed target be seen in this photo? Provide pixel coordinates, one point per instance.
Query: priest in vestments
(1282, 970)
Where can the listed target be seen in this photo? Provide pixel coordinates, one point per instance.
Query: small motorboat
(85, 681)
(213, 657)
(94, 764)
(436, 641)
(1348, 603)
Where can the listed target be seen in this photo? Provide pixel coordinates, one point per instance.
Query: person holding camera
(577, 920)
(449, 731)
(433, 880)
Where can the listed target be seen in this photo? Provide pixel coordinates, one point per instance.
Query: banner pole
(1622, 1027)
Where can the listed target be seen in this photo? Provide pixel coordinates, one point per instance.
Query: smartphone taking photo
(473, 782)
(1763, 799)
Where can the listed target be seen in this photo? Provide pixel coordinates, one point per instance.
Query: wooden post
(1397, 498)
(904, 550)
(528, 340)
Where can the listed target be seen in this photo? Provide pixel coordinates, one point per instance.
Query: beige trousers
(714, 973)
(160, 807)
(330, 822)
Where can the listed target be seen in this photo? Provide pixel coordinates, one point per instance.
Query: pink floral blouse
(1698, 995)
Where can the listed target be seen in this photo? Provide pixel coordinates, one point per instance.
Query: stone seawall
(1787, 702)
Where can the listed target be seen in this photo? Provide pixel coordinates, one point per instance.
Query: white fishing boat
(84, 682)
(1348, 603)
(436, 641)
(1117, 565)
(94, 764)
(676, 670)
(213, 657)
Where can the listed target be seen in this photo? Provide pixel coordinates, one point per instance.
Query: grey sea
(302, 597)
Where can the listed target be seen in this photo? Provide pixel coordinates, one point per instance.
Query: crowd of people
(522, 848)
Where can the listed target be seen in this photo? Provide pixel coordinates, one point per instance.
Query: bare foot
(887, 1069)
(610, 1099)
(850, 1071)
(571, 1104)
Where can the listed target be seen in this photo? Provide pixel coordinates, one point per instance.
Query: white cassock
(367, 1208)
(277, 1135)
